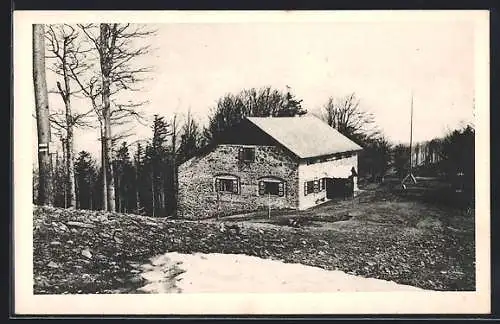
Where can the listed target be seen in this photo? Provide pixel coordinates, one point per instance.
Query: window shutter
(235, 186)
(262, 188)
(241, 154)
(305, 188)
(217, 184)
(316, 186)
(281, 189)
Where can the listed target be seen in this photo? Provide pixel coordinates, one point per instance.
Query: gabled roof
(305, 136)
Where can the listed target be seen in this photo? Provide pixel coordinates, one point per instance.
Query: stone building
(281, 162)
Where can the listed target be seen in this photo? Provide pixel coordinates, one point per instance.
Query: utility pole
(42, 116)
(410, 173)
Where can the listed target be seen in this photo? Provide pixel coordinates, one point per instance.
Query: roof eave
(329, 154)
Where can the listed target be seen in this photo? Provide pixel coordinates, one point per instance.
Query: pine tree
(87, 181)
(138, 184)
(124, 179)
(157, 166)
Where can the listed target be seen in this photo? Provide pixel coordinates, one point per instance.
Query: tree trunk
(90, 194)
(119, 198)
(174, 173)
(110, 188)
(70, 166)
(104, 204)
(106, 111)
(136, 183)
(137, 196)
(65, 174)
(70, 162)
(153, 193)
(42, 116)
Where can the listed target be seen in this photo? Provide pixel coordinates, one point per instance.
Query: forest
(98, 63)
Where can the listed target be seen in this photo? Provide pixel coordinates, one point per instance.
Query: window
(272, 186)
(227, 184)
(311, 187)
(322, 184)
(247, 154)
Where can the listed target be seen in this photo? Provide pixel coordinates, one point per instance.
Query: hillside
(77, 251)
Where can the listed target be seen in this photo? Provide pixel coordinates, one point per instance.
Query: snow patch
(238, 273)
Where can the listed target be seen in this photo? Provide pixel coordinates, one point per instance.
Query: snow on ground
(238, 273)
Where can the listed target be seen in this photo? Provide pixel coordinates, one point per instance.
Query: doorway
(339, 188)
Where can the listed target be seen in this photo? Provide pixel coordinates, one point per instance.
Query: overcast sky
(382, 62)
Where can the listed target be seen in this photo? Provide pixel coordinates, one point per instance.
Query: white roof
(306, 136)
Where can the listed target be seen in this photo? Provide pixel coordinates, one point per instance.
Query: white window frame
(282, 187)
(315, 189)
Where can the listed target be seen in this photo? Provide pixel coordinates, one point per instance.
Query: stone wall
(199, 199)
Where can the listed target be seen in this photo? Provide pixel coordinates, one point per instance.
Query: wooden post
(269, 205)
(218, 202)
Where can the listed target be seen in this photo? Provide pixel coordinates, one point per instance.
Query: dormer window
(247, 154)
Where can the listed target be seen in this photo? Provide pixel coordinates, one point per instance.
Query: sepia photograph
(336, 159)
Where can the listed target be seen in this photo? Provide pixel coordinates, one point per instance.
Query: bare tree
(345, 115)
(116, 49)
(42, 116)
(264, 102)
(175, 170)
(190, 139)
(68, 59)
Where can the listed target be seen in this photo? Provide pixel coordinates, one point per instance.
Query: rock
(136, 279)
(69, 242)
(55, 243)
(52, 264)
(86, 253)
(80, 224)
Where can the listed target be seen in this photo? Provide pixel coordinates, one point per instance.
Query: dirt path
(237, 273)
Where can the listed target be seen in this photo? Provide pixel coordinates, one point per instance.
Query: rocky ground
(77, 251)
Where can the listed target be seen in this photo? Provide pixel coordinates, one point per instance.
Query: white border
(335, 303)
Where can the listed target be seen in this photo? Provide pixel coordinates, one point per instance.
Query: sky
(383, 63)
